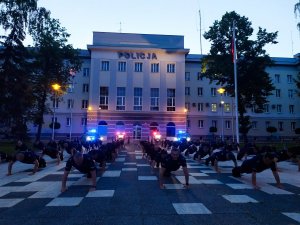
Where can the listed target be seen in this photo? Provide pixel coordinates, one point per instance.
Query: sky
(174, 17)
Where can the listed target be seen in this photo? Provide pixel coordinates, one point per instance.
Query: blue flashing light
(92, 131)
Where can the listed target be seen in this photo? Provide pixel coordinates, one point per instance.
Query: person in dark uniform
(258, 164)
(28, 157)
(52, 153)
(99, 156)
(287, 154)
(173, 162)
(224, 155)
(20, 146)
(84, 164)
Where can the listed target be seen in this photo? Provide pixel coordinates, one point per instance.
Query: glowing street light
(56, 87)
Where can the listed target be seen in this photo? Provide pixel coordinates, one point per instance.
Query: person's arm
(277, 178)
(186, 175)
(9, 168)
(161, 174)
(216, 166)
(254, 179)
(94, 178)
(36, 166)
(64, 181)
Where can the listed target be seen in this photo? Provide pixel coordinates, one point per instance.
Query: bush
(56, 125)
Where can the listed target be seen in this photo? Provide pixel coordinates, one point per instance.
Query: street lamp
(221, 92)
(56, 88)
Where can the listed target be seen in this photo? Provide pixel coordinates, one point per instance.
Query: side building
(140, 83)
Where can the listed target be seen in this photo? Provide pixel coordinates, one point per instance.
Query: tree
(254, 83)
(15, 88)
(297, 13)
(53, 61)
(297, 130)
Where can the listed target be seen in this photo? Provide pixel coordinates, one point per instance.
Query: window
(83, 121)
(226, 107)
(86, 72)
(227, 124)
(214, 123)
(188, 123)
(254, 124)
(200, 107)
(170, 99)
(154, 67)
(266, 108)
(291, 109)
(122, 66)
(55, 103)
(154, 99)
(200, 123)
(188, 106)
(70, 88)
(290, 93)
(105, 65)
(289, 79)
(84, 104)
(120, 98)
(171, 68)
(85, 88)
(280, 126)
(187, 76)
(103, 104)
(138, 99)
(70, 103)
(279, 108)
(213, 91)
(187, 90)
(68, 121)
(200, 91)
(199, 76)
(277, 93)
(293, 126)
(138, 67)
(267, 124)
(277, 78)
(214, 107)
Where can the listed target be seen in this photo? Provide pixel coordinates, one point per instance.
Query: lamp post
(72, 73)
(56, 88)
(221, 92)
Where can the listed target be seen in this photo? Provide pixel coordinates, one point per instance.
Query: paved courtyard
(128, 193)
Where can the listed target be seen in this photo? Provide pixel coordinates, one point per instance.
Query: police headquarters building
(140, 83)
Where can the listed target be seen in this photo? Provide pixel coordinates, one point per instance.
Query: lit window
(214, 107)
(226, 107)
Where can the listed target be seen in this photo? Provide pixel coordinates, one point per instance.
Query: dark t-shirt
(256, 164)
(98, 155)
(170, 164)
(87, 165)
(224, 156)
(29, 157)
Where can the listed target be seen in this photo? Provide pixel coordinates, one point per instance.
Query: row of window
(138, 67)
(254, 124)
(277, 79)
(227, 107)
(121, 99)
(290, 93)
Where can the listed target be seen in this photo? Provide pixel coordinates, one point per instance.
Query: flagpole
(235, 86)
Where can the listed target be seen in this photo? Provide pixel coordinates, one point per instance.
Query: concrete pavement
(128, 193)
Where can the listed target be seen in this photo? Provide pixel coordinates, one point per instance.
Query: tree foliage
(53, 61)
(297, 12)
(15, 69)
(254, 83)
